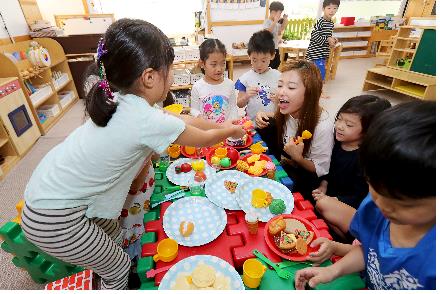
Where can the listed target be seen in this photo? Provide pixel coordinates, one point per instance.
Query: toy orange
(190, 150)
(221, 152)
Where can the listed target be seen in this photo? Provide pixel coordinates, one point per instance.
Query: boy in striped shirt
(321, 38)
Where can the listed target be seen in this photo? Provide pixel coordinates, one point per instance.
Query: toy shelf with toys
(355, 40)
(44, 75)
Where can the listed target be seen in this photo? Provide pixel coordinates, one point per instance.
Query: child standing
(396, 222)
(321, 38)
(345, 184)
(299, 89)
(214, 96)
(77, 191)
(276, 25)
(257, 86)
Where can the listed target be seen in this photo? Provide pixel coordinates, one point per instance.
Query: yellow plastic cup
(190, 150)
(174, 150)
(166, 250)
(259, 198)
(253, 272)
(221, 152)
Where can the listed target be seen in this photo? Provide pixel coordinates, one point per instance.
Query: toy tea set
(196, 221)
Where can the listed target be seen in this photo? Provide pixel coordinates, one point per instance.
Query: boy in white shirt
(257, 86)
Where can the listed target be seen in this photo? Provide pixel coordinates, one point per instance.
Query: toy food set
(290, 236)
(223, 188)
(239, 142)
(202, 272)
(194, 221)
(223, 157)
(194, 152)
(265, 198)
(258, 148)
(188, 172)
(306, 135)
(255, 164)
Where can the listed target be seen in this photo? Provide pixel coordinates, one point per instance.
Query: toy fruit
(225, 162)
(185, 167)
(186, 228)
(257, 148)
(190, 150)
(221, 152)
(177, 169)
(200, 175)
(277, 206)
(174, 150)
(215, 160)
(306, 135)
(198, 165)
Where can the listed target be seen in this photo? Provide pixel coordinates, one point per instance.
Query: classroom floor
(348, 83)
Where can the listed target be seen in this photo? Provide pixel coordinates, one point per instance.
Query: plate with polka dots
(223, 188)
(186, 267)
(186, 179)
(209, 220)
(277, 190)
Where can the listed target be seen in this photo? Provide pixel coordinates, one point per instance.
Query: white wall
(14, 18)
(49, 8)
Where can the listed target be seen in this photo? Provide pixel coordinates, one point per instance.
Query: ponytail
(99, 107)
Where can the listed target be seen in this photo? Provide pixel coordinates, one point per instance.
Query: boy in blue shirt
(396, 222)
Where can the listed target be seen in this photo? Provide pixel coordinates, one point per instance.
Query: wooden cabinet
(54, 80)
(419, 8)
(355, 40)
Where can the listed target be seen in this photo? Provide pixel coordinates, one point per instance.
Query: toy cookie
(287, 242)
(277, 206)
(231, 186)
(301, 246)
(242, 165)
(277, 225)
(253, 158)
(255, 170)
(293, 225)
(305, 235)
(186, 228)
(203, 276)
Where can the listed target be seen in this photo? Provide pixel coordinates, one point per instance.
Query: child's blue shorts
(320, 63)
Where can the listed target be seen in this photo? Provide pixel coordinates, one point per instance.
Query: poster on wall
(237, 4)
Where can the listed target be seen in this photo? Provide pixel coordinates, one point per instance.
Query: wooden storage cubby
(7, 151)
(346, 35)
(41, 76)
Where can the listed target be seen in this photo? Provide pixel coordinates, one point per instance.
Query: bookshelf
(355, 40)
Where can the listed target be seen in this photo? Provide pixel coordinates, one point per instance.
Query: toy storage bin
(65, 98)
(49, 109)
(182, 77)
(346, 53)
(179, 54)
(41, 94)
(61, 81)
(192, 53)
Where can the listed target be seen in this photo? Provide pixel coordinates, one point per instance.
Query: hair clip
(101, 48)
(103, 84)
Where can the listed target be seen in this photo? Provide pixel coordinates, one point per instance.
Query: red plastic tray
(262, 157)
(232, 154)
(294, 256)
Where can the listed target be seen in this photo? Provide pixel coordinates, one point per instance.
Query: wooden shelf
(59, 63)
(356, 56)
(405, 50)
(409, 39)
(3, 141)
(186, 62)
(353, 46)
(8, 164)
(354, 37)
(355, 29)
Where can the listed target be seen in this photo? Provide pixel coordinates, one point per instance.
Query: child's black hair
(210, 46)
(398, 151)
(261, 42)
(366, 107)
(132, 46)
(276, 6)
(328, 2)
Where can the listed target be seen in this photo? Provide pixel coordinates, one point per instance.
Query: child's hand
(331, 41)
(239, 132)
(251, 92)
(277, 18)
(318, 194)
(313, 275)
(262, 120)
(326, 250)
(294, 150)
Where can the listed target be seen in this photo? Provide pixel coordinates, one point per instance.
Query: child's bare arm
(199, 122)
(244, 97)
(196, 137)
(350, 263)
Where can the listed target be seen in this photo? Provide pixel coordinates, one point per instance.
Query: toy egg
(200, 176)
(185, 167)
(190, 150)
(198, 165)
(259, 198)
(221, 152)
(215, 160)
(225, 162)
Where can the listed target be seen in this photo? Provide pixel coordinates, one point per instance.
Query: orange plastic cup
(166, 250)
